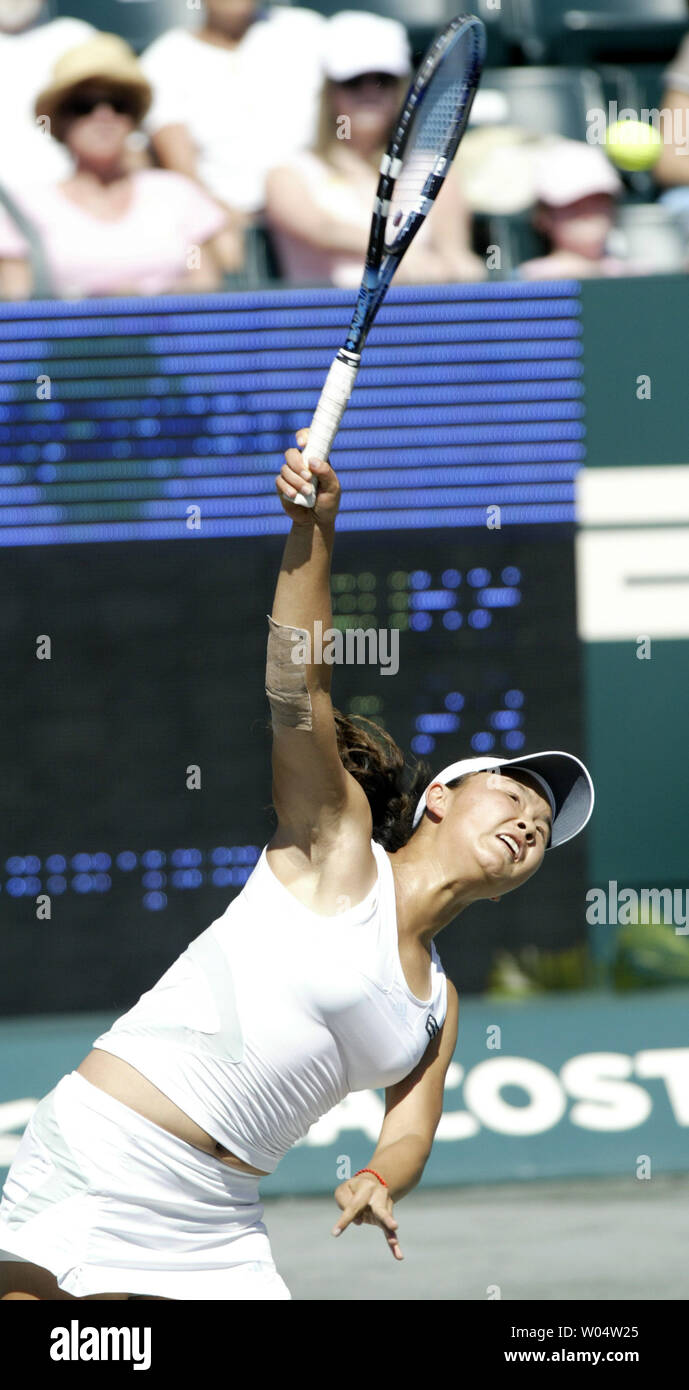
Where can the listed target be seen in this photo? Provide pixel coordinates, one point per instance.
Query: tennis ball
(633, 145)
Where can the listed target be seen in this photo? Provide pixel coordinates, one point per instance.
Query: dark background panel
(158, 661)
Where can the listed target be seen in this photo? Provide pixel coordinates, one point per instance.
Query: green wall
(636, 709)
(634, 327)
(636, 738)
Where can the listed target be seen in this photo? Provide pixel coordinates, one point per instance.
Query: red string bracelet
(371, 1170)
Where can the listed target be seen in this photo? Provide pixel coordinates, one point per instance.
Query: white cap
(571, 169)
(357, 42)
(565, 781)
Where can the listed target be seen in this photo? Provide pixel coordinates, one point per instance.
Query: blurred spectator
(673, 166)
(30, 45)
(495, 165)
(672, 169)
(106, 230)
(576, 191)
(235, 96)
(319, 204)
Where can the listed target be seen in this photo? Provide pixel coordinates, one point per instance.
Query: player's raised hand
(364, 1200)
(295, 474)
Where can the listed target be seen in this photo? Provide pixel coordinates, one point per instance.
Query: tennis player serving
(137, 1176)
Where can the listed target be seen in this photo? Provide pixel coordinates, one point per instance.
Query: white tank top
(275, 1013)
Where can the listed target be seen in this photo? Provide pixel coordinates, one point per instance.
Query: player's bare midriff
(122, 1081)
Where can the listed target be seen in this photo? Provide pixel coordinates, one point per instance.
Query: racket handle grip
(331, 407)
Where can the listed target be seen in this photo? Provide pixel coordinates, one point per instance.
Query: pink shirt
(549, 268)
(146, 250)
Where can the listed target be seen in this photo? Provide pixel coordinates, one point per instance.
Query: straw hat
(106, 57)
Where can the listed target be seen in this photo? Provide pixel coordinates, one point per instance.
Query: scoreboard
(140, 544)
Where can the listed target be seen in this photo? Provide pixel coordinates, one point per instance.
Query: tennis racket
(428, 131)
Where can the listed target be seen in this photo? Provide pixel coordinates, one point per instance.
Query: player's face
(502, 822)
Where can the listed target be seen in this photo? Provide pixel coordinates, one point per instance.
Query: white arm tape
(286, 688)
(326, 421)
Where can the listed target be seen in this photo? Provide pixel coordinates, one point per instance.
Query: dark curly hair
(392, 785)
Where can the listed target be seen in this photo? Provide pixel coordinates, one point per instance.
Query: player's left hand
(364, 1199)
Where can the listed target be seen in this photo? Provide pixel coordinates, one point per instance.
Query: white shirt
(27, 152)
(275, 1013)
(245, 108)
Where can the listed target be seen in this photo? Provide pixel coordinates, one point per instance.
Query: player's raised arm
(313, 794)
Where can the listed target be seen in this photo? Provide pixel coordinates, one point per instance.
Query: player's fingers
(375, 1216)
(343, 1221)
(289, 485)
(295, 479)
(350, 1213)
(302, 437)
(388, 1225)
(289, 494)
(326, 476)
(297, 463)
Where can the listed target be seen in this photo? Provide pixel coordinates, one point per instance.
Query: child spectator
(235, 96)
(106, 229)
(576, 191)
(319, 204)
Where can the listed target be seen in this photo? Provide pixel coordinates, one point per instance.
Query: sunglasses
(385, 80)
(83, 105)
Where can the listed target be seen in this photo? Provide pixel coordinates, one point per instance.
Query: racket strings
(433, 134)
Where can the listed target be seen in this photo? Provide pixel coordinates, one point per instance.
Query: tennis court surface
(592, 1239)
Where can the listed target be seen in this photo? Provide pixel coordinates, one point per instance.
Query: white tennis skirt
(111, 1203)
